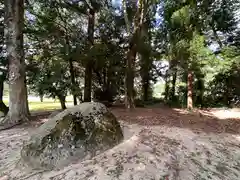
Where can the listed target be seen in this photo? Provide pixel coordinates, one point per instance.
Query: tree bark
(3, 107)
(146, 61)
(26, 91)
(169, 73)
(166, 92)
(14, 19)
(129, 81)
(72, 73)
(88, 66)
(190, 90)
(62, 100)
(200, 89)
(131, 55)
(174, 79)
(145, 88)
(145, 75)
(41, 98)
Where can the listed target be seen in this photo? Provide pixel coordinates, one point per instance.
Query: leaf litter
(159, 144)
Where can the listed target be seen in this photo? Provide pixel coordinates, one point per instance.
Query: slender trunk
(167, 80)
(201, 93)
(146, 61)
(200, 89)
(3, 107)
(145, 89)
(129, 81)
(104, 72)
(18, 107)
(174, 79)
(62, 100)
(145, 75)
(88, 83)
(131, 55)
(72, 74)
(190, 90)
(89, 64)
(71, 69)
(166, 92)
(41, 98)
(26, 91)
(227, 94)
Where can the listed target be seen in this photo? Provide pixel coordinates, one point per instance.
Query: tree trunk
(72, 73)
(166, 92)
(88, 83)
(200, 89)
(131, 55)
(190, 90)
(145, 89)
(146, 61)
(41, 98)
(145, 75)
(3, 107)
(129, 81)
(174, 79)
(88, 67)
(62, 100)
(26, 92)
(18, 107)
(227, 94)
(167, 80)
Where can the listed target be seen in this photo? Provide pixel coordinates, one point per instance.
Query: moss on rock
(77, 133)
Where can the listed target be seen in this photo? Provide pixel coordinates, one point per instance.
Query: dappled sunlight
(197, 120)
(237, 137)
(181, 111)
(43, 120)
(156, 141)
(120, 90)
(224, 114)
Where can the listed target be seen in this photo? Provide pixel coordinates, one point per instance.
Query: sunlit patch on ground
(159, 143)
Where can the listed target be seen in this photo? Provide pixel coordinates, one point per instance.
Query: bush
(105, 96)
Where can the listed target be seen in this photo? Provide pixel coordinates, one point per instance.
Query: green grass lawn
(46, 105)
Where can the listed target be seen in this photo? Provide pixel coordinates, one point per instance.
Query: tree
(184, 22)
(145, 49)
(132, 48)
(88, 67)
(18, 107)
(3, 70)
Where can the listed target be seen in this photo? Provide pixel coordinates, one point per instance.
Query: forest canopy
(105, 50)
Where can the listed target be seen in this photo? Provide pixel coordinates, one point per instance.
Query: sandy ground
(159, 144)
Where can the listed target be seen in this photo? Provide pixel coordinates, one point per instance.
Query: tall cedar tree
(14, 20)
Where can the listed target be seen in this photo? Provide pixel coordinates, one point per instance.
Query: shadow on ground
(207, 120)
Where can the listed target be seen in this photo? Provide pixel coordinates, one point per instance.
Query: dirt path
(167, 144)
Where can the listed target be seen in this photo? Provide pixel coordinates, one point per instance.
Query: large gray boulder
(77, 133)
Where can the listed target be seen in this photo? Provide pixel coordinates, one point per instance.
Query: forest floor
(160, 144)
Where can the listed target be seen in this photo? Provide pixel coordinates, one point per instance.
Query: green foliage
(179, 31)
(224, 88)
(47, 76)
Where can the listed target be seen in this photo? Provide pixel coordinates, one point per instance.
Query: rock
(54, 113)
(4, 178)
(2, 114)
(77, 133)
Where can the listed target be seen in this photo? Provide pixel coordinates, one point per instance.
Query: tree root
(6, 123)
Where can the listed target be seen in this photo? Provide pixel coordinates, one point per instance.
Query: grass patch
(47, 104)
